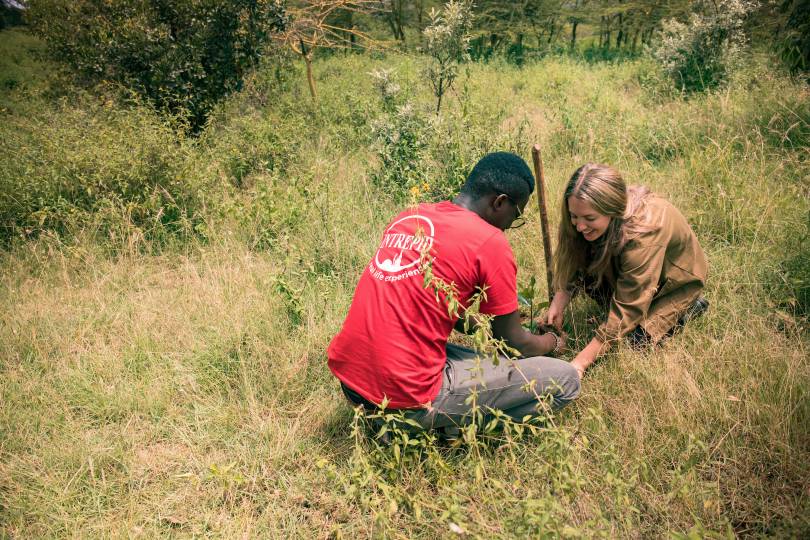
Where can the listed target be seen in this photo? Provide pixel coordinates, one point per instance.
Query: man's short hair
(500, 172)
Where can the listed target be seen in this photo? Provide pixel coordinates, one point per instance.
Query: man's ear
(499, 201)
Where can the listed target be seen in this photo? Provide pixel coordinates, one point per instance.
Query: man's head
(498, 188)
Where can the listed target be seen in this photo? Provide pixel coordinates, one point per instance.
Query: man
(393, 346)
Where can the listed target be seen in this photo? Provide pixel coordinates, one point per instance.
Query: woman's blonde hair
(603, 188)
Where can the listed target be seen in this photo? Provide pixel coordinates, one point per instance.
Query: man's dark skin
(500, 211)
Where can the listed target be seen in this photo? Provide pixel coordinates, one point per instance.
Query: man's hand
(563, 348)
(542, 329)
(459, 327)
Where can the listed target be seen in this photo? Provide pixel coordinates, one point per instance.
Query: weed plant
(179, 388)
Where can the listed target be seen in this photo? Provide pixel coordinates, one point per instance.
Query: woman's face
(586, 220)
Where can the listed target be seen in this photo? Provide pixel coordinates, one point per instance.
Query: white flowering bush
(387, 86)
(702, 53)
(400, 134)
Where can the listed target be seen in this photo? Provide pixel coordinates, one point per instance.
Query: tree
(394, 12)
(447, 39)
(182, 55)
(575, 16)
(312, 24)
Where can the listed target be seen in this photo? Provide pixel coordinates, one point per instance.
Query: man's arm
(459, 327)
(508, 328)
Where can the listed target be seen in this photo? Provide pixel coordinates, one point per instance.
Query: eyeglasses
(519, 221)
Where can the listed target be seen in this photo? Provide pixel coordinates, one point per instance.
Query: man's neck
(479, 206)
(465, 201)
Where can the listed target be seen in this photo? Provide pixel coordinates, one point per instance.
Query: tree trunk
(621, 32)
(394, 22)
(310, 78)
(439, 94)
(307, 54)
(574, 25)
(646, 38)
(397, 8)
(601, 30)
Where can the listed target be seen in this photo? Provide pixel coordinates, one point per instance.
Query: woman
(633, 252)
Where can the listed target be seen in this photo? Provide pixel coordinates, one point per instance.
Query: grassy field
(166, 303)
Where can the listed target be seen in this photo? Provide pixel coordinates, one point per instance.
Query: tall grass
(179, 388)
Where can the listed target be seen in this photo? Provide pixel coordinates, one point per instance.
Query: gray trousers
(502, 387)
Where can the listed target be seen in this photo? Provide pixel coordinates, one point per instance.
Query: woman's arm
(636, 284)
(588, 355)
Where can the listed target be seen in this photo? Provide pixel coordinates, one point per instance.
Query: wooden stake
(540, 180)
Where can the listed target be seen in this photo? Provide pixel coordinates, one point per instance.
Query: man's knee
(570, 383)
(556, 377)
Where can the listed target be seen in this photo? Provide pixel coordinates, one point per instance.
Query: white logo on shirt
(401, 248)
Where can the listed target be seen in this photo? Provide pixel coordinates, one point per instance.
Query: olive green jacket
(656, 277)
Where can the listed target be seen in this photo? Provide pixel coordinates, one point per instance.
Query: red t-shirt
(393, 340)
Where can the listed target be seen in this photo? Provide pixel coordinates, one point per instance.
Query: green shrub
(701, 53)
(20, 71)
(267, 213)
(423, 156)
(795, 43)
(183, 56)
(94, 165)
(401, 136)
(249, 144)
(460, 140)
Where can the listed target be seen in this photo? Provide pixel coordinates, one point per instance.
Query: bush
(251, 143)
(401, 139)
(183, 56)
(113, 170)
(701, 54)
(795, 44)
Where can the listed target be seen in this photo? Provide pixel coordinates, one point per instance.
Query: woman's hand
(580, 367)
(554, 315)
